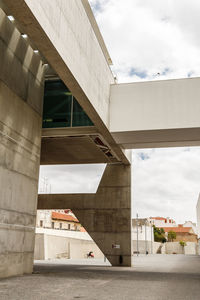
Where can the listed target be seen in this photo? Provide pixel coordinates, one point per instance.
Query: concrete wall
(80, 248)
(175, 247)
(49, 246)
(152, 247)
(21, 93)
(158, 108)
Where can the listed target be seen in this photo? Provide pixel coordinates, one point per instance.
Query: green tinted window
(60, 108)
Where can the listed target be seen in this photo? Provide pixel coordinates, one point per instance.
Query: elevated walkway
(156, 114)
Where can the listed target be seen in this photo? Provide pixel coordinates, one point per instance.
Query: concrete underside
(153, 278)
(139, 139)
(71, 150)
(21, 93)
(105, 215)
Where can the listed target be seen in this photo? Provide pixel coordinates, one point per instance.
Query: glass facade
(61, 109)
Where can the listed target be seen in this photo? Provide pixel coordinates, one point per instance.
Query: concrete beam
(63, 201)
(105, 215)
(64, 35)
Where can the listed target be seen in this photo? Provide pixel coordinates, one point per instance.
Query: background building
(185, 234)
(162, 222)
(58, 219)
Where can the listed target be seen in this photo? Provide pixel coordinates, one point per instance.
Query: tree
(159, 234)
(171, 236)
(183, 244)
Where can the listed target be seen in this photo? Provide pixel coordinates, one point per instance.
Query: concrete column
(21, 94)
(108, 217)
(105, 215)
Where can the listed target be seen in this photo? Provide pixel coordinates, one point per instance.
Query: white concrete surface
(156, 105)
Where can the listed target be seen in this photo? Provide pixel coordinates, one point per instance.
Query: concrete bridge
(52, 56)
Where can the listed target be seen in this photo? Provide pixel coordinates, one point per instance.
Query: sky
(147, 40)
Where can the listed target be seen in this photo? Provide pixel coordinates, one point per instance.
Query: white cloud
(166, 182)
(70, 178)
(150, 37)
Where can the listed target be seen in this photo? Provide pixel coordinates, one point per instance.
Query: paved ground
(153, 277)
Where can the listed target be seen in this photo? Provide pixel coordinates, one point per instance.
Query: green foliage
(171, 236)
(183, 244)
(159, 234)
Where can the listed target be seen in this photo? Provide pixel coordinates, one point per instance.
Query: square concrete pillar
(107, 217)
(21, 95)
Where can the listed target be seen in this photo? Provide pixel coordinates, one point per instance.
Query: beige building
(58, 219)
(185, 234)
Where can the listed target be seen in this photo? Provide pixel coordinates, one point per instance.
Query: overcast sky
(147, 40)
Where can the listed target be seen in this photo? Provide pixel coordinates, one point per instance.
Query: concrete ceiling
(71, 150)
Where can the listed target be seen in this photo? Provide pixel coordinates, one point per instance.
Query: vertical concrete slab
(21, 94)
(107, 218)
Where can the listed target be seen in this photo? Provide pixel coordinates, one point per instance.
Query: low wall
(51, 247)
(152, 247)
(175, 248)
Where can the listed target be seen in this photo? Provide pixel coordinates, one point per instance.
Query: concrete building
(52, 55)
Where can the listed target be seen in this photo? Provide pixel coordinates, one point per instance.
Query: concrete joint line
(16, 227)
(4, 126)
(18, 212)
(19, 144)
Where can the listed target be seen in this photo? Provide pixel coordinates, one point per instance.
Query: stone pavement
(163, 277)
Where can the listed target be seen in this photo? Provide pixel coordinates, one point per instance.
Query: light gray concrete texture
(143, 246)
(65, 34)
(157, 113)
(105, 215)
(156, 277)
(174, 247)
(21, 94)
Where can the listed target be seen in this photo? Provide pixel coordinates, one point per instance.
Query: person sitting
(90, 254)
